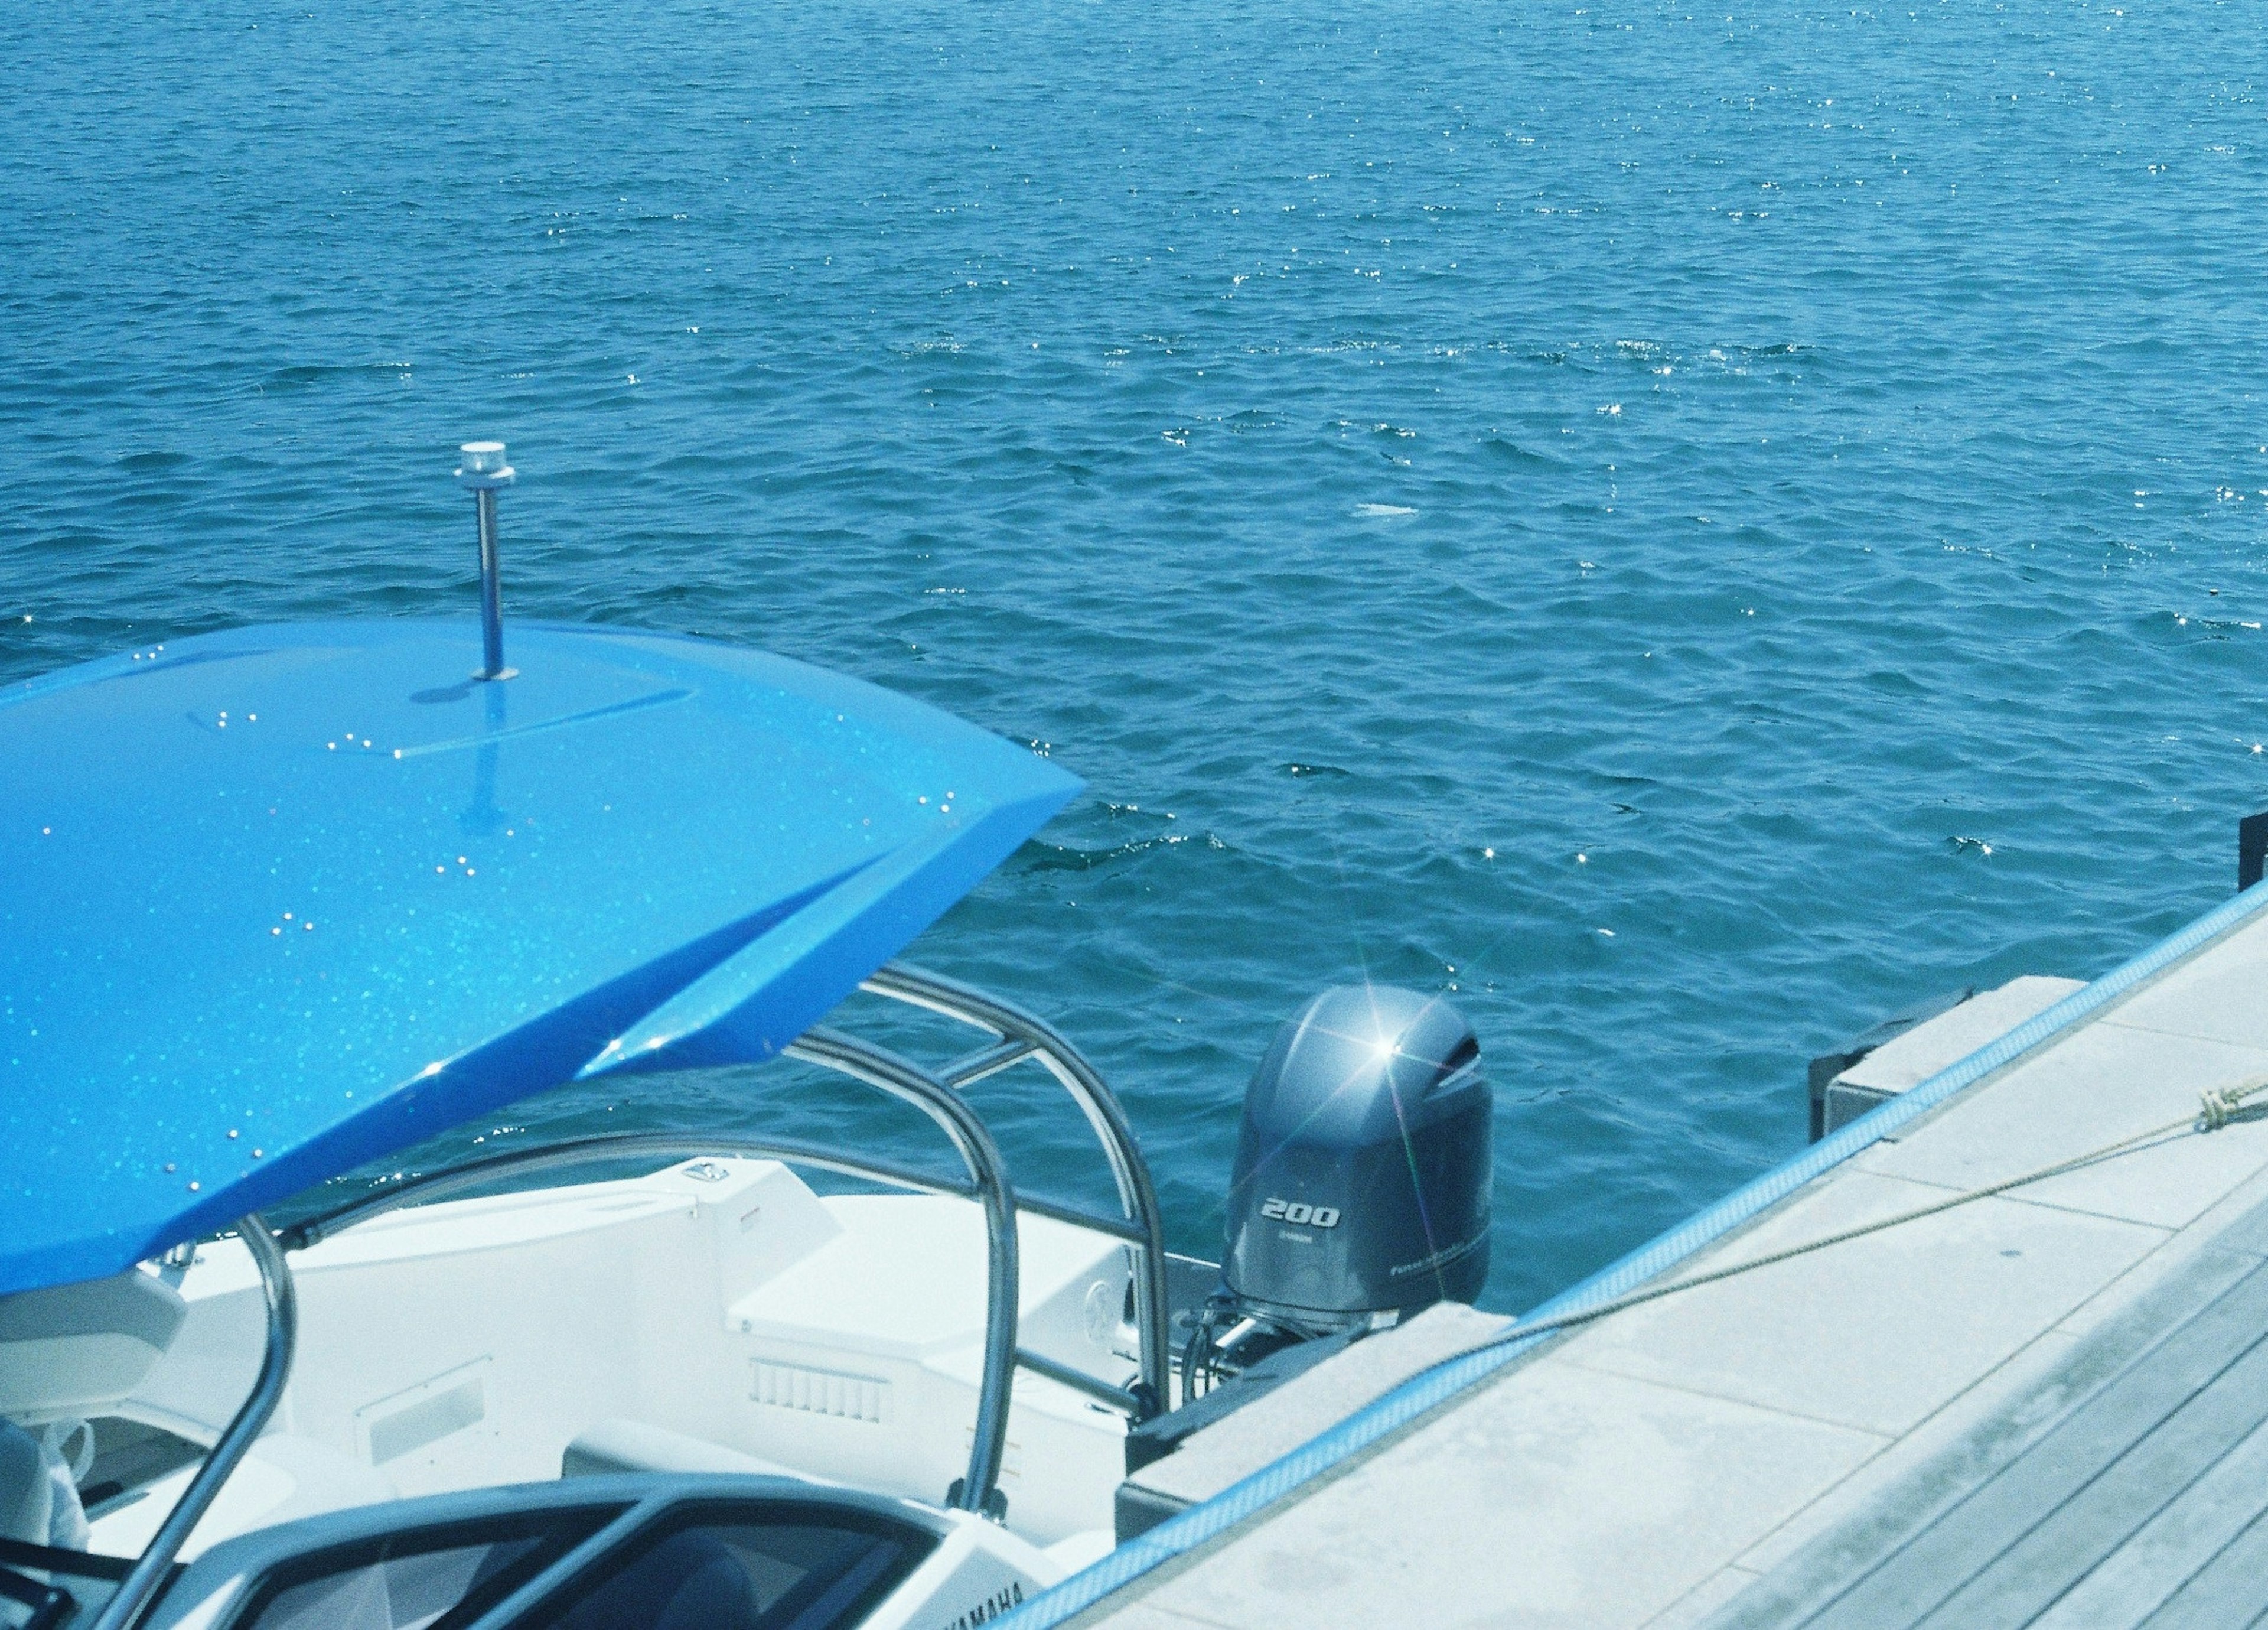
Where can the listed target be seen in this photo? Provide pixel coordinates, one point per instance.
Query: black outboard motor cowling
(1361, 1187)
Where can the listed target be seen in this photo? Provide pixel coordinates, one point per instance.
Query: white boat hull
(471, 1343)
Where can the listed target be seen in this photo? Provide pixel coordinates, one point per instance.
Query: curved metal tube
(1136, 1194)
(429, 1187)
(905, 1080)
(1080, 1217)
(1078, 1381)
(149, 1571)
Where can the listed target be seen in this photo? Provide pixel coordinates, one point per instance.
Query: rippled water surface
(1687, 529)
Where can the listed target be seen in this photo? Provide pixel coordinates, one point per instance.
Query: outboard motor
(1361, 1186)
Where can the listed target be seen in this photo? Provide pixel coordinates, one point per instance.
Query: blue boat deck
(2043, 1407)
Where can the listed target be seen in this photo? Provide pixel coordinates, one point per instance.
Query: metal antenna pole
(484, 470)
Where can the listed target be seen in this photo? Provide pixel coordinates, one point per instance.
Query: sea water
(1682, 527)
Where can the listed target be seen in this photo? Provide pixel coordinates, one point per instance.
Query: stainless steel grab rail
(1020, 1034)
(906, 1080)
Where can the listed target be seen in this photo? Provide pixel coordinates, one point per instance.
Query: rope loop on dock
(2219, 1105)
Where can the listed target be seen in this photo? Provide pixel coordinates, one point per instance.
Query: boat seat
(27, 1493)
(39, 1501)
(75, 1350)
(620, 1445)
(281, 1479)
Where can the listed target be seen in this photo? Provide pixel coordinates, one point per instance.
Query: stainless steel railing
(1017, 1036)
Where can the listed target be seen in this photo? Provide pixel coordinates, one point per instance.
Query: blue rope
(1433, 1387)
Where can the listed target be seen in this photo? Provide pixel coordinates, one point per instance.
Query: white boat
(286, 901)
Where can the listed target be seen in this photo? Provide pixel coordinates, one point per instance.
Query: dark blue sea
(1686, 528)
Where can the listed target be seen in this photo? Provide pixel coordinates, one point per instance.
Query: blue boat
(286, 901)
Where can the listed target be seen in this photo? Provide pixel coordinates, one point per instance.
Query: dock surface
(2042, 1407)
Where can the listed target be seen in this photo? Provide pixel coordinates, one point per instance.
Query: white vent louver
(819, 1392)
(423, 1414)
